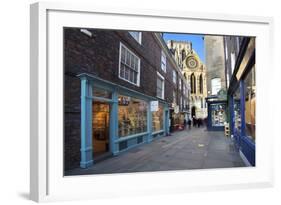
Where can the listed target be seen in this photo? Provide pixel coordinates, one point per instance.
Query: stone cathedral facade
(195, 73)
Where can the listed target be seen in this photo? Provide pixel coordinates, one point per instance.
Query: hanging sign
(177, 109)
(154, 106)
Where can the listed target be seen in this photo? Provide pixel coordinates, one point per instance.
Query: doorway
(193, 111)
(100, 130)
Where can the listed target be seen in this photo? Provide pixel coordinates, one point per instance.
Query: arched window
(183, 55)
(201, 84)
(193, 83)
(185, 76)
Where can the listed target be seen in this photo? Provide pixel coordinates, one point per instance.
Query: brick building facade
(109, 72)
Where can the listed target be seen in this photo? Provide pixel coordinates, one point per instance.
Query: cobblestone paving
(184, 150)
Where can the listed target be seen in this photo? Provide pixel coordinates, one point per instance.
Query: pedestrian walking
(194, 121)
(189, 123)
(184, 124)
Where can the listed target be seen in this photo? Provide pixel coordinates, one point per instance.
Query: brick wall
(99, 55)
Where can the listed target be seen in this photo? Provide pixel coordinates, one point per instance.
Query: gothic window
(183, 55)
(193, 83)
(201, 84)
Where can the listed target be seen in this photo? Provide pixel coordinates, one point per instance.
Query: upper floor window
(181, 102)
(174, 76)
(163, 61)
(180, 84)
(129, 65)
(136, 35)
(174, 97)
(160, 86)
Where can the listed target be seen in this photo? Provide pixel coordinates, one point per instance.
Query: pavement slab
(183, 150)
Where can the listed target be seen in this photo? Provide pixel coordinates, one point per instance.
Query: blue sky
(197, 41)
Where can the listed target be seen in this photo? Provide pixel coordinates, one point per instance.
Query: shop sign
(177, 109)
(154, 106)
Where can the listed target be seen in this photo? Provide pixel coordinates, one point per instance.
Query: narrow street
(184, 150)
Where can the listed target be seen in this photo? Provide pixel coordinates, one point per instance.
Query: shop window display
(132, 116)
(237, 112)
(250, 104)
(157, 119)
(218, 114)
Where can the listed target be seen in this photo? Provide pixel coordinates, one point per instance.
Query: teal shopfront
(115, 119)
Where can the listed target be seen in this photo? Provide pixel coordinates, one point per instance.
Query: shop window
(136, 36)
(129, 65)
(218, 114)
(237, 112)
(250, 104)
(132, 116)
(157, 119)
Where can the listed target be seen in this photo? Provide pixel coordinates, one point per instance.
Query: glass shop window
(237, 112)
(218, 114)
(250, 104)
(132, 116)
(157, 119)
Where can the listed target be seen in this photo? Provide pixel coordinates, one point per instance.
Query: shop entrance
(100, 130)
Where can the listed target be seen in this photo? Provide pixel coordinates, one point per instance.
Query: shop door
(100, 130)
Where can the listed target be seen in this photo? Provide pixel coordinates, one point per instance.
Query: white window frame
(163, 85)
(139, 38)
(163, 61)
(139, 60)
(180, 84)
(174, 76)
(181, 102)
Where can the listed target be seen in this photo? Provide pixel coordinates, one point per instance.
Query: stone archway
(193, 111)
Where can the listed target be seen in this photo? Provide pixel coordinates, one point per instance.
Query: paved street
(190, 149)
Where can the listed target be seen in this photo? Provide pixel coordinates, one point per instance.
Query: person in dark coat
(194, 121)
(189, 123)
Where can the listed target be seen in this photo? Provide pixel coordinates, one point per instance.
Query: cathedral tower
(195, 73)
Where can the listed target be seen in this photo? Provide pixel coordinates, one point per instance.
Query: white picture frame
(47, 182)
